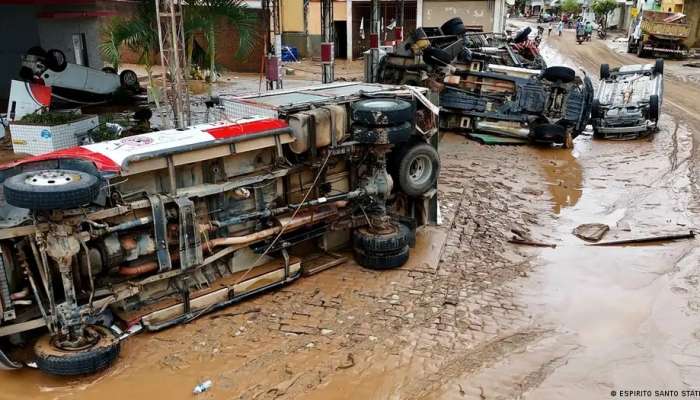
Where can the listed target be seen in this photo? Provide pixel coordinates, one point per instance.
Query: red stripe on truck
(246, 128)
(102, 162)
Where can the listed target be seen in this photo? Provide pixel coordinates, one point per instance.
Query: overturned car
(628, 102)
(431, 52)
(548, 107)
(157, 229)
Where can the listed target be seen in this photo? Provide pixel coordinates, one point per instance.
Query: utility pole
(373, 40)
(273, 44)
(171, 40)
(327, 46)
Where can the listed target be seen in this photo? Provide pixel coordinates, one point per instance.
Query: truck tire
(129, 79)
(454, 26)
(654, 108)
(604, 71)
(549, 133)
(56, 361)
(51, 189)
(381, 261)
(392, 238)
(56, 60)
(522, 35)
(382, 112)
(382, 134)
(418, 170)
(659, 66)
(559, 74)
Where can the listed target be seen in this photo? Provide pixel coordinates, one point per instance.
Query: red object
(327, 52)
(374, 40)
(273, 71)
(398, 33)
(247, 128)
(102, 162)
(40, 93)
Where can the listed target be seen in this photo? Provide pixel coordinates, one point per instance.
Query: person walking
(560, 27)
(549, 29)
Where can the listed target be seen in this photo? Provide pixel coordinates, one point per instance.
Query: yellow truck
(656, 33)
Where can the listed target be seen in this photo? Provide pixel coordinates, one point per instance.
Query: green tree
(570, 6)
(602, 8)
(207, 16)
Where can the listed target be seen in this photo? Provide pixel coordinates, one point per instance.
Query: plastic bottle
(202, 387)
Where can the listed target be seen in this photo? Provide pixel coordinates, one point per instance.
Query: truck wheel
(454, 26)
(436, 56)
(559, 74)
(94, 357)
(386, 134)
(604, 71)
(129, 79)
(390, 238)
(654, 107)
(51, 189)
(659, 66)
(56, 60)
(381, 261)
(382, 112)
(418, 170)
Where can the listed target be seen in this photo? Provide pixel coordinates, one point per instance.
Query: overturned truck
(157, 229)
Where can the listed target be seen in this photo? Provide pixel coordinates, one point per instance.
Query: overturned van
(157, 229)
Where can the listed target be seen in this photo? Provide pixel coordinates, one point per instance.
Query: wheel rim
(52, 178)
(420, 170)
(59, 58)
(88, 339)
(130, 78)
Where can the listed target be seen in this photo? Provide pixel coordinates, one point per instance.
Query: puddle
(564, 177)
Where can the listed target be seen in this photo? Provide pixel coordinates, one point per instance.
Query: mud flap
(7, 364)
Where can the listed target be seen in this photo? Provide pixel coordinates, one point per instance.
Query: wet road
(491, 320)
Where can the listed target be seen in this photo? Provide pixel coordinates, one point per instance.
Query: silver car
(628, 101)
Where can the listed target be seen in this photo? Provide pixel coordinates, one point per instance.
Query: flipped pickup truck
(158, 229)
(628, 100)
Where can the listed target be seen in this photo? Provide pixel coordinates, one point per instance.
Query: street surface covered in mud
(476, 317)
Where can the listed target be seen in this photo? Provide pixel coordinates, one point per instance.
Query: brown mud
(477, 318)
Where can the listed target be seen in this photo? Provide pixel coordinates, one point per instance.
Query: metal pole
(327, 47)
(374, 40)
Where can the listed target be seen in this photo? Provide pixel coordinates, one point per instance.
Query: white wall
(58, 34)
(435, 13)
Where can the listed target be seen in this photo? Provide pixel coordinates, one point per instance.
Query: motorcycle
(580, 38)
(602, 33)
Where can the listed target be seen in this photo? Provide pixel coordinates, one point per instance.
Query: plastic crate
(40, 139)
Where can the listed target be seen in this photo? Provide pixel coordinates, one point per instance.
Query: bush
(51, 118)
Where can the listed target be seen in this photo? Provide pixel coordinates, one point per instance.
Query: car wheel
(109, 70)
(390, 238)
(418, 169)
(559, 74)
(56, 60)
(659, 66)
(604, 71)
(549, 133)
(386, 134)
(99, 355)
(381, 261)
(595, 109)
(51, 189)
(654, 107)
(454, 26)
(522, 35)
(129, 79)
(382, 112)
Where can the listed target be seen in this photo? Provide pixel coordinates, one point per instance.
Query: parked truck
(656, 33)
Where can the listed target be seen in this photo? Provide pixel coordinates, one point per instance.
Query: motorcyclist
(580, 30)
(588, 29)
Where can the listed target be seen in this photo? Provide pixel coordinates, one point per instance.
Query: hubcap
(52, 178)
(420, 170)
